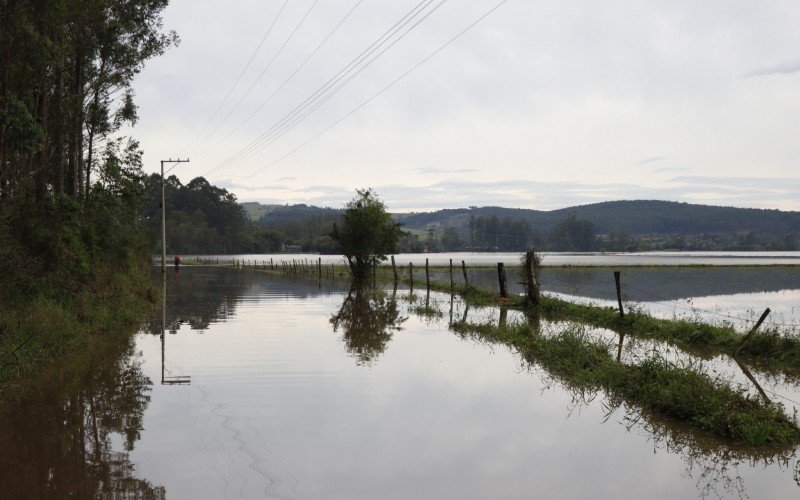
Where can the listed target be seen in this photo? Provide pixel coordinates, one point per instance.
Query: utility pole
(164, 219)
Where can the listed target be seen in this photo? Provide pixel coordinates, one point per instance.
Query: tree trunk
(58, 130)
(93, 125)
(76, 147)
(43, 160)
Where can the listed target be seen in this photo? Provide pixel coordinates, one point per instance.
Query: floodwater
(279, 387)
(553, 258)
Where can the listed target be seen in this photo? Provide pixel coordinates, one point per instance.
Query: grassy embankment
(70, 282)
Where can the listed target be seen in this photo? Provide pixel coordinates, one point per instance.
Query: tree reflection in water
(57, 436)
(368, 318)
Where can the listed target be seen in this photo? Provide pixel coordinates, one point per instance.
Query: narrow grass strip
(680, 393)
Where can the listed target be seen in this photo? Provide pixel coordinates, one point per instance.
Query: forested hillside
(612, 226)
(202, 219)
(637, 217)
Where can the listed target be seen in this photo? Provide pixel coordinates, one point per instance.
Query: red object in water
(504, 299)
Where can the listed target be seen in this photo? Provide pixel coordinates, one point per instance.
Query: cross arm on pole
(164, 217)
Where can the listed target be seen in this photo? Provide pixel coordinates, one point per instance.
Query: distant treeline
(207, 219)
(492, 233)
(612, 226)
(203, 219)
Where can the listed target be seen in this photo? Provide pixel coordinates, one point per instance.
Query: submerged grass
(682, 393)
(769, 349)
(655, 386)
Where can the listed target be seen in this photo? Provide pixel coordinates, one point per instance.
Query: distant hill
(635, 217)
(613, 225)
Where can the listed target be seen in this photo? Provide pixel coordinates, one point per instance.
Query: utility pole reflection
(171, 380)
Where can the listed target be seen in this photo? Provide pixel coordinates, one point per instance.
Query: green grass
(50, 325)
(680, 393)
(769, 349)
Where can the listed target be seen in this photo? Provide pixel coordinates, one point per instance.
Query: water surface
(269, 387)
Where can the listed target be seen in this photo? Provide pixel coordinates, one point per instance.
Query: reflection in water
(368, 318)
(714, 466)
(711, 462)
(56, 439)
(262, 398)
(200, 297)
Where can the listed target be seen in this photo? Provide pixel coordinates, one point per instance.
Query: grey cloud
(778, 183)
(584, 100)
(780, 69)
(668, 170)
(651, 160)
(232, 185)
(445, 170)
(745, 192)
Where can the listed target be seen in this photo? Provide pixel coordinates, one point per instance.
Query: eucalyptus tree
(66, 89)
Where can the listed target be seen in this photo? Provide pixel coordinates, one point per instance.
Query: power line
(239, 78)
(384, 89)
(285, 82)
(286, 127)
(387, 35)
(260, 75)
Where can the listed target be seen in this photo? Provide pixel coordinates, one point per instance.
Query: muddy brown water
(270, 387)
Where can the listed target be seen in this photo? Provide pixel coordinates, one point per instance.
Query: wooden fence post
(411, 275)
(753, 331)
(530, 278)
(427, 275)
(619, 294)
(501, 276)
(464, 269)
(394, 269)
(503, 320)
(451, 274)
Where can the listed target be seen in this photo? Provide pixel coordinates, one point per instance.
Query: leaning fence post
(501, 276)
(394, 270)
(464, 269)
(319, 266)
(753, 331)
(619, 294)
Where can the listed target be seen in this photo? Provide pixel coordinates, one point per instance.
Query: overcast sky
(542, 104)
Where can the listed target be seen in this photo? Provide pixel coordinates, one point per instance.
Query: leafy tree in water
(366, 234)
